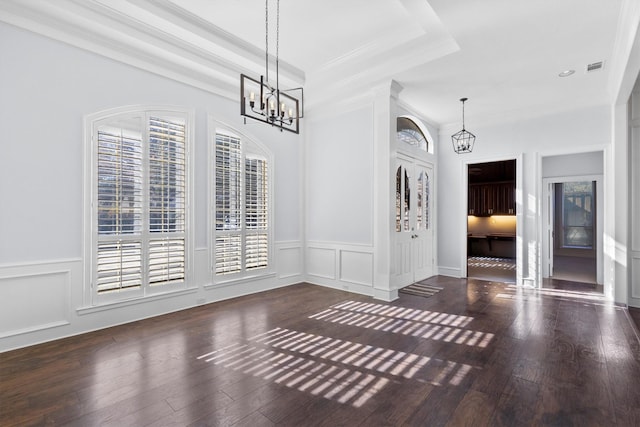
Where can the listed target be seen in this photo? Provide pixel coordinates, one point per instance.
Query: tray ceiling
(504, 55)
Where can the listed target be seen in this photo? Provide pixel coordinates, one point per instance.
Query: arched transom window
(410, 133)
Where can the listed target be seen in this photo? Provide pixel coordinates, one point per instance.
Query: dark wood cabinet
(495, 198)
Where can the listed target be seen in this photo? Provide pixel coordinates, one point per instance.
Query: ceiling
(504, 55)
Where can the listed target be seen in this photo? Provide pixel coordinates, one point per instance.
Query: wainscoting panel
(321, 262)
(635, 273)
(356, 267)
(34, 297)
(342, 266)
(289, 259)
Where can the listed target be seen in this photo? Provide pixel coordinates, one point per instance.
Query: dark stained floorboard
(477, 353)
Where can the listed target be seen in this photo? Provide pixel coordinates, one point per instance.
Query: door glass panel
(407, 201)
(427, 206)
(419, 207)
(399, 199)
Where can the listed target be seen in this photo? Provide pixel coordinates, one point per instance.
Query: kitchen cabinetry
(495, 198)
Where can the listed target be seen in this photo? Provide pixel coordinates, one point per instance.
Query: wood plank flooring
(476, 353)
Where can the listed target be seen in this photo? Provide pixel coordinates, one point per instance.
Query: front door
(413, 246)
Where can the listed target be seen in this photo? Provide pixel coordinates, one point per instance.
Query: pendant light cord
(463, 100)
(266, 39)
(278, 48)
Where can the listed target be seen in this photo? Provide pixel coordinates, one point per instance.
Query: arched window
(139, 198)
(242, 219)
(410, 133)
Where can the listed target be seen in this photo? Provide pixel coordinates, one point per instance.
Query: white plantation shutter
(141, 204)
(119, 183)
(256, 219)
(228, 247)
(228, 257)
(166, 176)
(166, 261)
(167, 201)
(119, 266)
(257, 250)
(228, 174)
(241, 208)
(119, 210)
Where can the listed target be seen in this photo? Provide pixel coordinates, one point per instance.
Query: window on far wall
(577, 200)
(242, 212)
(139, 204)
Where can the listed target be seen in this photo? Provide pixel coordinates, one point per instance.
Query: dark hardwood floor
(476, 353)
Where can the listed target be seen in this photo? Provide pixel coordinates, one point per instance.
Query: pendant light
(463, 140)
(266, 102)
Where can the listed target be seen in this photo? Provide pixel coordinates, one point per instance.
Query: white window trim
(262, 151)
(411, 150)
(90, 297)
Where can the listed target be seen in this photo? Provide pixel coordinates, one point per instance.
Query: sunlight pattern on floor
(400, 320)
(490, 262)
(563, 294)
(344, 371)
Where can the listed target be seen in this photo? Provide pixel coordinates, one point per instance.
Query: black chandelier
(261, 101)
(463, 140)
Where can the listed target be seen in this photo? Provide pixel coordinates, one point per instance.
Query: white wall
(573, 164)
(339, 198)
(527, 140)
(339, 169)
(46, 88)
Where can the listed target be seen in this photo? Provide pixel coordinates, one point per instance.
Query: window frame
(92, 123)
(416, 125)
(252, 148)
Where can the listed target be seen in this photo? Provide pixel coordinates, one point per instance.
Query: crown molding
(625, 62)
(102, 29)
(361, 73)
(171, 12)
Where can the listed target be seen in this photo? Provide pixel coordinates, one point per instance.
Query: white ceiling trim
(500, 56)
(90, 25)
(360, 75)
(382, 59)
(212, 58)
(627, 35)
(233, 45)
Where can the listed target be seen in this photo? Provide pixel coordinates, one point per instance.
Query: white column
(385, 112)
(634, 200)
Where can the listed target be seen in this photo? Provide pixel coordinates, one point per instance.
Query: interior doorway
(491, 221)
(574, 232)
(571, 246)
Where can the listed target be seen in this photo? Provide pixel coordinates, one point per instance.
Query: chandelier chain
(278, 48)
(462, 115)
(266, 38)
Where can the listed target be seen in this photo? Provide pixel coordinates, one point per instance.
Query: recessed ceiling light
(566, 73)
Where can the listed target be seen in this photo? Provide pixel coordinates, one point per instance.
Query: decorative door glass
(403, 200)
